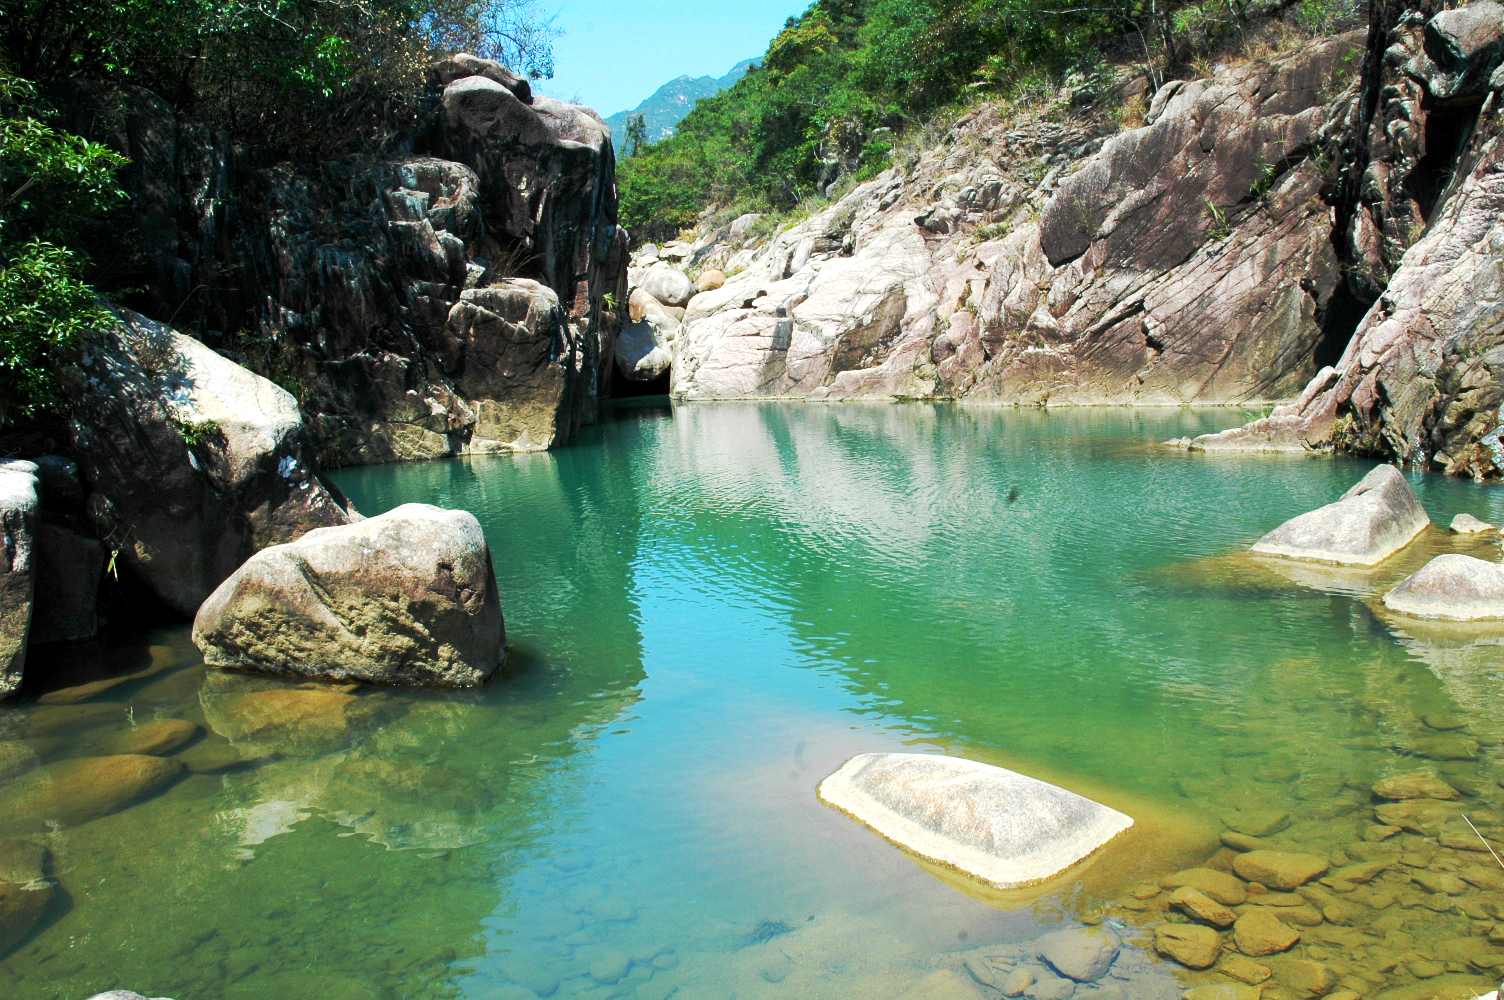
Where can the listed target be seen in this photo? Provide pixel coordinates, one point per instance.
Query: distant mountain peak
(666, 107)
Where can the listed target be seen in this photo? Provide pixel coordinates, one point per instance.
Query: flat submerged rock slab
(1366, 525)
(996, 825)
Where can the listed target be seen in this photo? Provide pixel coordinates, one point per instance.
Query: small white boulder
(668, 285)
(994, 824)
(1453, 587)
(1366, 525)
(1467, 524)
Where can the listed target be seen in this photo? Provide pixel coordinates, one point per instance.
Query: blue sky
(614, 53)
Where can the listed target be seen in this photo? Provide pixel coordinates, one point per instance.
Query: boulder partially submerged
(1366, 525)
(1454, 587)
(994, 824)
(407, 598)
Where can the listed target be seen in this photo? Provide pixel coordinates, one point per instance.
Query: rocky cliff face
(1223, 252)
(455, 294)
(1420, 380)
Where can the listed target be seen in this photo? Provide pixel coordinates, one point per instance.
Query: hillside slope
(1224, 252)
(666, 107)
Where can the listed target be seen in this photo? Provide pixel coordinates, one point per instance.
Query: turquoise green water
(708, 610)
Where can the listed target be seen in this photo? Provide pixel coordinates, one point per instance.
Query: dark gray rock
(194, 461)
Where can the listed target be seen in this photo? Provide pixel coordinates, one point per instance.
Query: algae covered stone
(75, 791)
(408, 598)
(1260, 932)
(1224, 888)
(1413, 785)
(994, 824)
(1199, 906)
(1366, 525)
(1279, 869)
(1192, 945)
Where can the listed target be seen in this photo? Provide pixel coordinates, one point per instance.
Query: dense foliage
(50, 183)
(838, 83)
(297, 79)
(297, 75)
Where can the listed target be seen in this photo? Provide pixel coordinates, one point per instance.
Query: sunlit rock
(1467, 524)
(991, 823)
(18, 523)
(1366, 525)
(1455, 587)
(406, 598)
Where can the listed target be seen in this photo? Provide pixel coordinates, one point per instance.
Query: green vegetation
(197, 432)
(841, 86)
(50, 182)
(284, 79)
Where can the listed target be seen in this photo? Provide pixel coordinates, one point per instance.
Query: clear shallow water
(708, 610)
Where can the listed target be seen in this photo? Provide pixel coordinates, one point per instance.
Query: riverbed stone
(1452, 587)
(157, 738)
(1423, 816)
(1017, 982)
(23, 862)
(16, 758)
(21, 909)
(1259, 932)
(1192, 945)
(405, 598)
(1081, 953)
(75, 791)
(1202, 907)
(1448, 746)
(1414, 785)
(1244, 969)
(1369, 523)
(994, 824)
(1224, 888)
(1279, 869)
(1257, 822)
(1304, 978)
(87, 691)
(1223, 991)
(296, 721)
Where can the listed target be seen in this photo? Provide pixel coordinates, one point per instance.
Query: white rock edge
(839, 792)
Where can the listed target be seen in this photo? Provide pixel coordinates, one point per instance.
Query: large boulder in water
(1455, 587)
(195, 462)
(18, 523)
(1366, 525)
(991, 823)
(408, 597)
